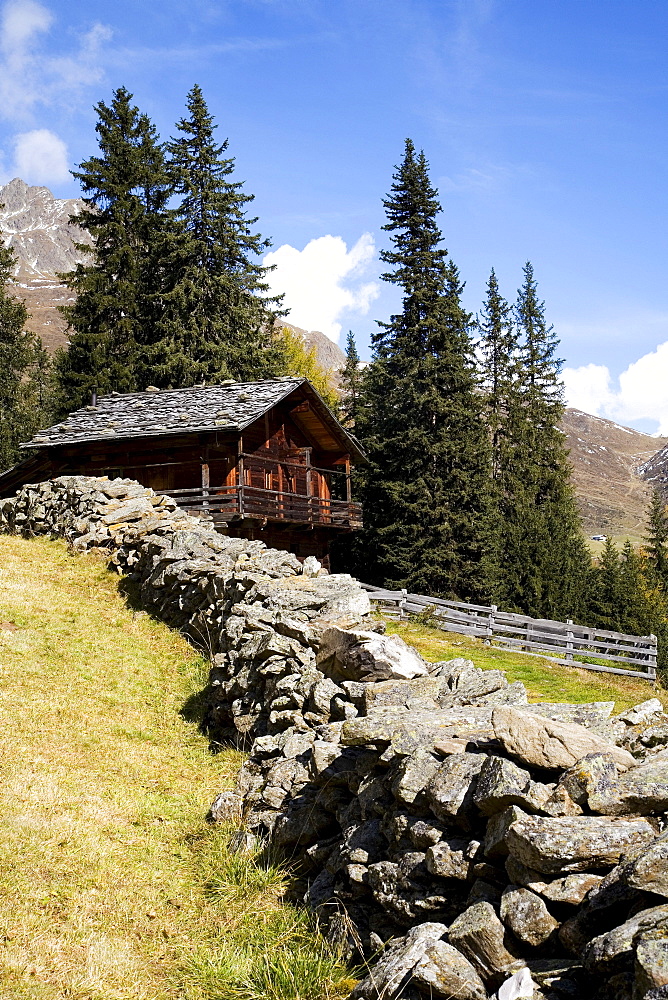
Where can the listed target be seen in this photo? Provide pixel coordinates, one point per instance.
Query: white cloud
(323, 281)
(641, 393)
(40, 157)
(30, 76)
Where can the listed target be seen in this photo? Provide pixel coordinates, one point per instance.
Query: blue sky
(544, 122)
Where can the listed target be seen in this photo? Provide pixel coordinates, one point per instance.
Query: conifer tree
(125, 191)
(498, 366)
(657, 538)
(217, 318)
(608, 588)
(351, 384)
(23, 370)
(544, 563)
(426, 488)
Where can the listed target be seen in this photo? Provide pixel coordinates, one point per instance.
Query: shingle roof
(156, 413)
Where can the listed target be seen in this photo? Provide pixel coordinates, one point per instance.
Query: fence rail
(532, 636)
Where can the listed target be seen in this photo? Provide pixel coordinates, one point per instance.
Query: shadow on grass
(196, 707)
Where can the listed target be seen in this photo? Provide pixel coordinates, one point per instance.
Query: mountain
(608, 473)
(36, 225)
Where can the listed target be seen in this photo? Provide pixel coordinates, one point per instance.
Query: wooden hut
(262, 459)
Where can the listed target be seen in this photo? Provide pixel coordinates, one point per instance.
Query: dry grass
(544, 681)
(107, 867)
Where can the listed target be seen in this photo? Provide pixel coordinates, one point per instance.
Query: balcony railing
(227, 503)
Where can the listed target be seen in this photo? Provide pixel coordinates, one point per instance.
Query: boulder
(544, 743)
(526, 915)
(502, 783)
(420, 693)
(643, 790)
(557, 845)
(452, 858)
(443, 973)
(649, 870)
(406, 731)
(612, 952)
(479, 935)
(651, 962)
(395, 966)
(451, 790)
(595, 774)
(494, 844)
(571, 889)
(357, 655)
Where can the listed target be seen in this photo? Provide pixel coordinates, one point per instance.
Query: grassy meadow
(112, 885)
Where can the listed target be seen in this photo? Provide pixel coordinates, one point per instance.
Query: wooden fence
(532, 636)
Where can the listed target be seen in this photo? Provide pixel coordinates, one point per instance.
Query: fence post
(569, 640)
(402, 602)
(489, 631)
(651, 666)
(527, 649)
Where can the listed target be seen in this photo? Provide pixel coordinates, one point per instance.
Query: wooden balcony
(233, 503)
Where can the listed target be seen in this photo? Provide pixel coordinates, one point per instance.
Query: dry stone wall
(471, 844)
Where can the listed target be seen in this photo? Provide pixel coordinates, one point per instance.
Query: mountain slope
(35, 225)
(612, 494)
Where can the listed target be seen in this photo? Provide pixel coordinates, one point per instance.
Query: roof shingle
(159, 412)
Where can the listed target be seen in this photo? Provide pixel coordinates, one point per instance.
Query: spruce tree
(609, 588)
(498, 366)
(657, 538)
(125, 192)
(350, 378)
(544, 563)
(217, 318)
(426, 488)
(23, 370)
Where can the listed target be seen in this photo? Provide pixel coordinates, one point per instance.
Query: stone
(395, 966)
(651, 963)
(412, 777)
(518, 987)
(481, 937)
(444, 973)
(226, 808)
(494, 844)
(420, 692)
(450, 792)
(583, 714)
(642, 713)
(556, 845)
(358, 655)
(527, 916)
(502, 783)
(649, 870)
(612, 952)
(452, 858)
(594, 774)
(643, 790)
(407, 731)
(570, 890)
(605, 906)
(559, 803)
(544, 743)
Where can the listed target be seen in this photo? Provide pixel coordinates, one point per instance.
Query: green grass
(543, 680)
(112, 885)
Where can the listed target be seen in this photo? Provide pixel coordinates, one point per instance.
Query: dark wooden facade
(284, 477)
